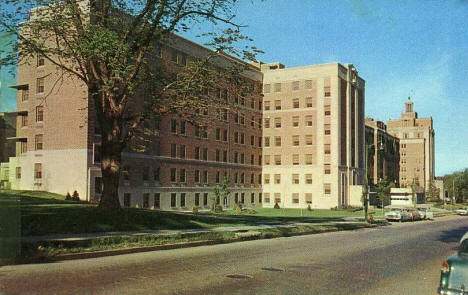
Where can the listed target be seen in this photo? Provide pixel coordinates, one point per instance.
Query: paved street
(399, 259)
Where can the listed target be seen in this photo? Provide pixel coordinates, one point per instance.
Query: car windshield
(463, 250)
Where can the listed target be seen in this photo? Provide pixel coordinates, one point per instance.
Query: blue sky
(413, 48)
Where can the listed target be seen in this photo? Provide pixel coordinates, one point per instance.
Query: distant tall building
(383, 152)
(313, 135)
(416, 147)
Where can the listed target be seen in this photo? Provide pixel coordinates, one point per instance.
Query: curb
(105, 253)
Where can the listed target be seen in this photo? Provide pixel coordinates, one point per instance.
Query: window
(225, 115)
(25, 95)
(182, 127)
(295, 140)
(242, 158)
(308, 84)
(277, 197)
(327, 111)
(174, 55)
(309, 102)
(205, 199)
(182, 151)
(266, 88)
(242, 119)
(196, 154)
(39, 142)
(327, 188)
(267, 159)
(225, 135)
(173, 125)
(218, 134)
(236, 157)
(266, 179)
(182, 175)
(308, 198)
(327, 149)
(277, 122)
(23, 147)
(267, 197)
(236, 118)
(295, 85)
(295, 121)
(295, 159)
(260, 198)
(308, 159)
(182, 200)
(196, 176)
(308, 139)
(277, 140)
(146, 200)
(217, 155)
(205, 176)
(308, 178)
(225, 156)
(252, 140)
(39, 114)
(145, 173)
(242, 178)
(277, 105)
(205, 154)
(295, 103)
(173, 150)
(173, 175)
(127, 198)
(197, 199)
(173, 200)
(295, 198)
(295, 179)
(18, 172)
(157, 200)
(252, 159)
(242, 138)
(267, 122)
(277, 159)
(40, 61)
(157, 174)
(308, 120)
(327, 91)
(217, 180)
(236, 137)
(277, 87)
(252, 121)
(24, 120)
(267, 105)
(37, 170)
(40, 85)
(327, 129)
(236, 177)
(252, 198)
(157, 124)
(327, 169)
(277, 178)
(259, 141)
(259, 178)
(267, 141)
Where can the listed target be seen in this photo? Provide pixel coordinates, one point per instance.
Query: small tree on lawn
(110, 46)
(221, 191)
(433, 193)
(383, 191)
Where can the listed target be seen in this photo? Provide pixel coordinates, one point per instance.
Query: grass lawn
(45, 214)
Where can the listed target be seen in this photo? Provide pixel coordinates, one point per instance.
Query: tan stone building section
(313, 133)
(416, 147)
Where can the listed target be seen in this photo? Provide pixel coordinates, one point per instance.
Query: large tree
(110, 45)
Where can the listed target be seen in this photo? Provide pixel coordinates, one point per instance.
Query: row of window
(39, 116)
(295, 141)
(180, 151)
(38, 144)
(277, 121)
(179, 127)
(295, 178)
(37, 171)
(295, 104)
(181, 199)
(296, 85)
(295, 198)
(308, 159)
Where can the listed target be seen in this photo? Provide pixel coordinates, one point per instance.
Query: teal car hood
(458, 275)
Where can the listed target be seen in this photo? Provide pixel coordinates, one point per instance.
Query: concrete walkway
(245, 228)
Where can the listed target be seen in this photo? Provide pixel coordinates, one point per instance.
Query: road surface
(398, 259)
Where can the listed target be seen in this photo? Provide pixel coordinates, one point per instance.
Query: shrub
(277, 206)
(237, 208)
(251, 211)
(75, 196)
(218, 208)
(68, 197)
(309, 208)
(195, 210)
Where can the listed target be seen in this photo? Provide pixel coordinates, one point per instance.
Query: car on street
(398, 214)
(426, 213)
(454, 272)
(415, 215)
(462, 211)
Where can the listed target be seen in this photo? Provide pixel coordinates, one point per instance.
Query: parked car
(426, 213)
(398, 215)
(454, 272)
(462, 211)
(415, 215)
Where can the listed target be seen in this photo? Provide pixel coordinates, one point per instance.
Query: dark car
(454, 273)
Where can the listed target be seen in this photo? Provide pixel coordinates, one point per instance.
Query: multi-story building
(416, 147)
(383, 153)
(313, 135)
(58, 142)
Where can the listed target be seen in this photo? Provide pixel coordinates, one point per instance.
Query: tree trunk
(111, 158)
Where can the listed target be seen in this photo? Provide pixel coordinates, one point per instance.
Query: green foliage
(456, 184)
(195, 210)
(309, 208)
(68, 197)
(75, 196)
(383, 191)
(277, 206)
(237, 208)
(220, 192)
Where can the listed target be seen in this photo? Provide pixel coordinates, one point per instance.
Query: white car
(398, 215)
(426, 213)
(462, 211)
